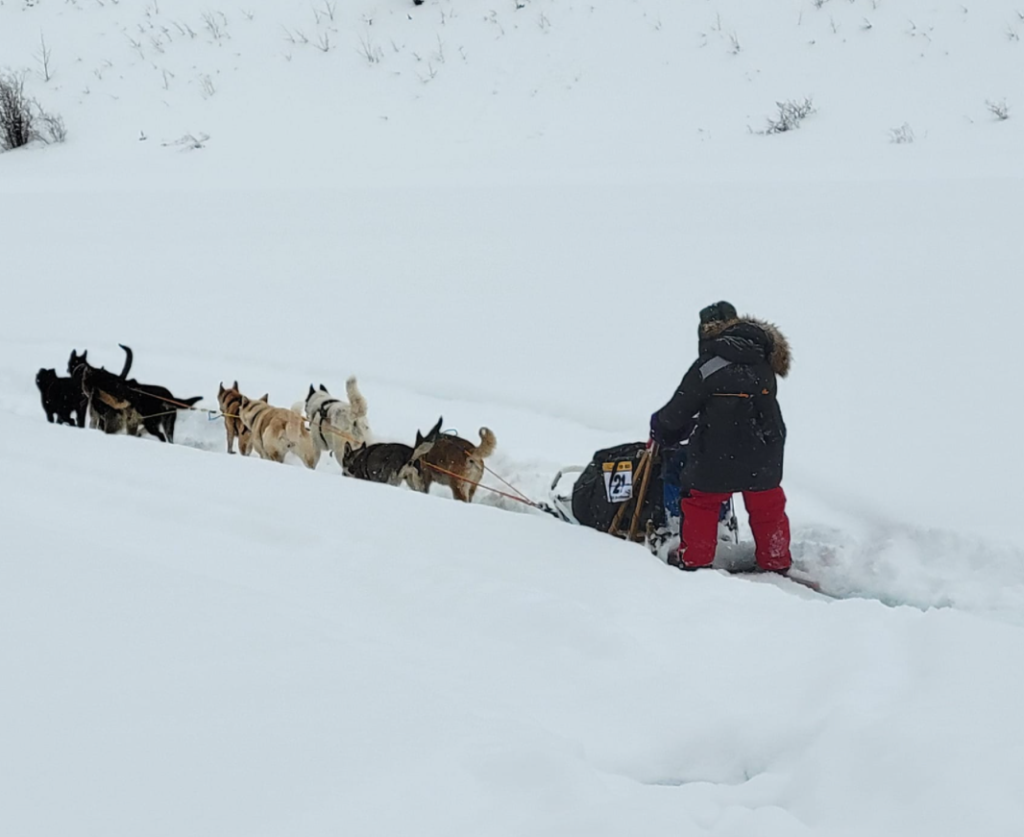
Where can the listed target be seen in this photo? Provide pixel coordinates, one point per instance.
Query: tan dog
(230, 401)
(458, 463)
(277, 430)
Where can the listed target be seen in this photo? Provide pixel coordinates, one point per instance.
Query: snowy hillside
(509, 214)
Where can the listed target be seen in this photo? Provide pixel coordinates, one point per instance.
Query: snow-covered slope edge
(245, 648)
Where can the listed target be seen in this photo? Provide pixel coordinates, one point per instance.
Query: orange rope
(522, 498)
(181, 404)
(323, 426)
(461, 478)
(506, 482)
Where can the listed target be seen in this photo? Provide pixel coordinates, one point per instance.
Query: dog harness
(322, 413)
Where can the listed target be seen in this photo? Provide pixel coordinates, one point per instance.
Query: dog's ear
(235, 385)
(266, 397)
(311, 390)
(419, 439)
(435, 431)
(83, 356)
(220, 388)
(323, 388)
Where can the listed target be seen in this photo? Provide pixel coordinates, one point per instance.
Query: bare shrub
(790, 115)
(22, 119)
(16, 112)
(52, 127)
(904, 135)
(216, 25)
(369, 50)
(1000, 110)
(43, 57)
(189, 142)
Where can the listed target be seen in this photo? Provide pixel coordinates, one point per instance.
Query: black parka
(727, 406)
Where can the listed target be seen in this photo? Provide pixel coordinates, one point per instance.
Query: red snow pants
(768, 521)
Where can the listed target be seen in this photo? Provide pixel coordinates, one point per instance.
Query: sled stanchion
(613, 527)
(635, 524)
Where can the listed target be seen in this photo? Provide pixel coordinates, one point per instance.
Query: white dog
(332, 422)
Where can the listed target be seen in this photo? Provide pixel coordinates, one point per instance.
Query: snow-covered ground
(509, 215)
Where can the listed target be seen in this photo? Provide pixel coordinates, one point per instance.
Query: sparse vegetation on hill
(22, 119)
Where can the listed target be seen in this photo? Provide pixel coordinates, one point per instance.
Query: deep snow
(511, 219)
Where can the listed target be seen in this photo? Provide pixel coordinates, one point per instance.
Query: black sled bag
(607, 482)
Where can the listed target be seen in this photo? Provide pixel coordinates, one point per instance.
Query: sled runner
(630, 492)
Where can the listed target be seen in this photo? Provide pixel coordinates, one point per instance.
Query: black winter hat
(718, 312)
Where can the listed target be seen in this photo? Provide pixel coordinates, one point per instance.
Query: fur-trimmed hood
(779, 354)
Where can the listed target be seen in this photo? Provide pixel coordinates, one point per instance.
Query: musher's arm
(674, 422)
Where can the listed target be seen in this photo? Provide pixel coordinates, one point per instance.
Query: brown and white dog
(277, 431)
(458, 463)
(230, 401)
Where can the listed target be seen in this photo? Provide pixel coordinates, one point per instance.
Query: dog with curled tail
(458, 463)
(333, 422)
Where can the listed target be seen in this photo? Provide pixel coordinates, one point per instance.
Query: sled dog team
(115, 403)
(725, 411)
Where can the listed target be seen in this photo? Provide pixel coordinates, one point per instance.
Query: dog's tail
(488, 443)
(127, 360)
(355, 398)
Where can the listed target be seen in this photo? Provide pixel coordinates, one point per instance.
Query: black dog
(106, 413)
(390, 462)
(120, 403)
(62, 397)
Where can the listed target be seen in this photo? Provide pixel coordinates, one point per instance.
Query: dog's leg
(153, 427)
(272, 448)
(477, 474)
(229, 428)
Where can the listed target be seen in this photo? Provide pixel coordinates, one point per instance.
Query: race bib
(618, 481)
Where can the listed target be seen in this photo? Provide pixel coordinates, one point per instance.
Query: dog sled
(631, 492)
